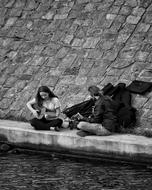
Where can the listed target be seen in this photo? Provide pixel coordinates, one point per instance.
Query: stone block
(141, 56)
(52, 63)
(48, 15)
(62, 53)
(139, 102)
(31, 5)
(94, 54)
(10, 3)
(115, 27)
(147, 113)
(91, 42)
(68, 39)
(138, 11)
(145, 3)
(145, 75)
(67, 80)
(107, 45)
(77, 42)
(119, 2)
(133, 19)
(148, 104)
(19, 4)
(15, 12)
(110, 55)
(5, 103)
(71, 71)
(111, 16)
(60, 17)
(114, 10)
(125, 10)
(83, 1)
(25, 77)
(38, 60)
(131, 3)
(143, 27)
(64, 10)
(10, 82)
(147, 18)
(80, 80)
(67, 61)
(10, 22)
(122, 38)
(89, 7)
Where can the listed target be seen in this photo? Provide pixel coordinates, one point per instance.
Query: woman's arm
(29, 105)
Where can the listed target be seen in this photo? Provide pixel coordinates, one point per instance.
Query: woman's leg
(56, 122)
(39, 124)
(42, 124)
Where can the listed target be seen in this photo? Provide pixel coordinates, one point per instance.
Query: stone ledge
(120, 147)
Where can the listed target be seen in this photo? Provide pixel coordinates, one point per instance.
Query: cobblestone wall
(71, 44)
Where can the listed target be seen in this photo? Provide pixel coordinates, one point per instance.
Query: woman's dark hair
(39, 99)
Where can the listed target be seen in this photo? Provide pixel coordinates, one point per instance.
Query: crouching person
(103, 120)
(46, 110)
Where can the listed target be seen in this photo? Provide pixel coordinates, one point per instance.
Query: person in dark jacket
(103, 120)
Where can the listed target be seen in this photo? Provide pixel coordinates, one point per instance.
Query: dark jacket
(104, 108)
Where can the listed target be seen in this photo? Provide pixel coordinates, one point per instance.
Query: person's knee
(81, 124)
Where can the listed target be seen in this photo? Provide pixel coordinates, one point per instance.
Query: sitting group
(101, 115)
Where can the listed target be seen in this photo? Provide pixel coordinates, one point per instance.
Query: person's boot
(57, 128)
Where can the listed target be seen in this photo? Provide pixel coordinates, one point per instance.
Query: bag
(139, 87)
(84, 108)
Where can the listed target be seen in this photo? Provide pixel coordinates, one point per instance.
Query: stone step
(122, 147)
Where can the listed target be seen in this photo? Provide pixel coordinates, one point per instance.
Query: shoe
(57, 128)
(82, 133)
(73, 124)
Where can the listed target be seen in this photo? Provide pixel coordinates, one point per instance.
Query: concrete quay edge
(121, 147)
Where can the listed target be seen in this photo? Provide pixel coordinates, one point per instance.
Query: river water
(33, 172)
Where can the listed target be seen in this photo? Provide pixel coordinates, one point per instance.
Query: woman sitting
(46, 110)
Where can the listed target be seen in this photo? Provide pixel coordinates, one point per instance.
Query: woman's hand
(35, 113)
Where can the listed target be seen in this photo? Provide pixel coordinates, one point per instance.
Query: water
(32, 172)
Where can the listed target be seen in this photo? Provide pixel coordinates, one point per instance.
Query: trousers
(43, 124)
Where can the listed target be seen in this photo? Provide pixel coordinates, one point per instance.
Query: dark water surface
(32, 172)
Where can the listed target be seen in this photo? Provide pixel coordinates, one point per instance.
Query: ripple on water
(34, 172)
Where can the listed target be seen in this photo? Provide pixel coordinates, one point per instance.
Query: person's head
(94, 91)
(44, 93)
